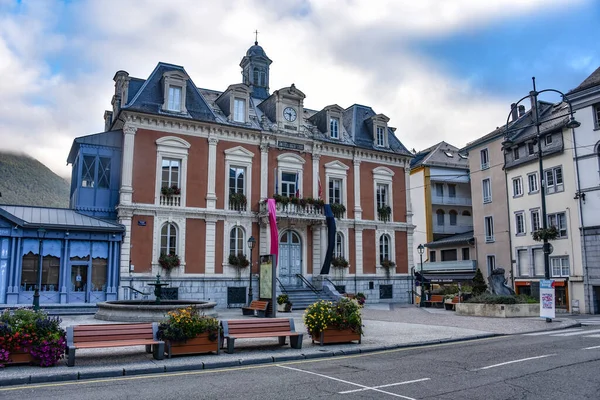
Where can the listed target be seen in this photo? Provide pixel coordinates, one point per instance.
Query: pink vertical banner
(274, 230)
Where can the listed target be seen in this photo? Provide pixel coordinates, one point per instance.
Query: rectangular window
(439, 189)
(335, 191)
(516, 153)
(288, 184)
(487, 190)
(523, 262)
(334, 128)
(538, 262)
(466, 253)
(520, 223)
(485, 159)
(432, 256)
(88, 171)
(170, 172)
(532, 179)
(548, 140)
(530, 148)
(517, 187)
(174, 102)
(449, 255)
(554, 180)
(237, 179)
(559, 220)
(380, 136)
(597, 116)
(489, 229)
(560, 266)
(239, 110)
(452, 190)
(491, 264)
(535, 220)
(382, 195)
(104, 172)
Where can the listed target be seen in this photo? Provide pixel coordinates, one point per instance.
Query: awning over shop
(448, 278)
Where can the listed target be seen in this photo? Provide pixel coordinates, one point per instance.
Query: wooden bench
(258, 306)
(113, 335)
(252, 328)
(435, 299)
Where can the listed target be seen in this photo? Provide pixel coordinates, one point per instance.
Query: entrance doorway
(290, 259)
(78, 283)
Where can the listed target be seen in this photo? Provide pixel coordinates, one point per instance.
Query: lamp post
(251, 243)
(533, 96)
(41, 232)
(421, 249)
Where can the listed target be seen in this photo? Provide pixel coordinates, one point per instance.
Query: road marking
(577, 333)
(388, 385)
(516, 361)
(346, 382)
(593, 347)
(594, 336)
(552, 332)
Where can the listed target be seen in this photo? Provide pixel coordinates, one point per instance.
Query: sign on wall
(547, 299)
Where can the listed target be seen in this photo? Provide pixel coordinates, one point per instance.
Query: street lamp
(41, 232)
(533, 95)
(251, 243)
(421, 249)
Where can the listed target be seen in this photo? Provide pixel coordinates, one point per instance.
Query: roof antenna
(256, 37)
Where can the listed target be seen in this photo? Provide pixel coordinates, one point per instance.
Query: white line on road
(591, 348)
(552, 332)
(516, 361)
(594, 336)
(577, 333)
(343, 381)
(383, 386)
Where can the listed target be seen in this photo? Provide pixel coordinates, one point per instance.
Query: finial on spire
(256, 37)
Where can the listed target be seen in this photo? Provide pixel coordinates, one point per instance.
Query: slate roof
(592, 80)
(460, 238)
(56, 218)
(551, 116)
(441, 154)
(105, 139)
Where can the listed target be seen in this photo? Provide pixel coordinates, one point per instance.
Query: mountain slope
(26, 181)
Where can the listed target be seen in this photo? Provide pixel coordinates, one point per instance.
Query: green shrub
(479, 285)
(488, 298)
(452, 289)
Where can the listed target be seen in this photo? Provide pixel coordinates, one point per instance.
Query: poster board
(547, 299)
(266, 276)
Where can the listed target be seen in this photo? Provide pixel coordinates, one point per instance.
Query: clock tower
(255, 71)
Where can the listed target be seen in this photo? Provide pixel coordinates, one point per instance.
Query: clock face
(289, 114)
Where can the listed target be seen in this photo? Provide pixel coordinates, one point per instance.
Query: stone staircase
(303, 297)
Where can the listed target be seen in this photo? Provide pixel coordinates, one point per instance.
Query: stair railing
(283, 289)
(334, 285)
(307, 283)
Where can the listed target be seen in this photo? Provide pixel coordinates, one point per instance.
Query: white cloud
(335, 52)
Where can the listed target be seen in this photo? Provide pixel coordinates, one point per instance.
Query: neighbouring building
(193, 168)
(557, 181)
(585, 143)
(441, 199)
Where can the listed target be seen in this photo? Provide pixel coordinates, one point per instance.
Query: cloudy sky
(441, 70)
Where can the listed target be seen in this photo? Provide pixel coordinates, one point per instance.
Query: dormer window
(334, 128)
(239, 110)
(380, 136)
(174, 91)
(174, 101)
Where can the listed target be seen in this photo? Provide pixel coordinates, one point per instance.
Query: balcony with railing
(448, 266)
(173, 200)
(452, 229)
(308, 212)
(451, 201)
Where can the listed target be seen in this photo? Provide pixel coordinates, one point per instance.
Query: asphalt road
(550, 365)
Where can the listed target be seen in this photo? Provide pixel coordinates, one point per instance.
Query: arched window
(338, 250)
(440, 217)
(384, 248)
(453, 216)
(236, 241)
(168, 239)
(466, 213)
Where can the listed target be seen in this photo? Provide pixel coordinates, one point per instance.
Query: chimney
(513, 111)
(521, 110)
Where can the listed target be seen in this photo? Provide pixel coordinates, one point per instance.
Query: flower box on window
(238, 260)
(237, 200)
(384, 213)
(170, 190)
(541, 234)
(169, 261)
(339, 262)
(338, 210)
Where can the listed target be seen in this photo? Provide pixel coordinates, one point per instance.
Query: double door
(86, 284)
(290, 259)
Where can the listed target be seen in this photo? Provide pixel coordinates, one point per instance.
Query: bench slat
(116, 343)
(260, 335)
(103, 327)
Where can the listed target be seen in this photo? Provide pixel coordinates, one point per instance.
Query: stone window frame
(175, 79)
(239, 157)
(337, 170)
(537, 183)
(384, 176)
(520, 214)
(489, 236)
(517, 183)
(380, 121)
(392, 247)
(229, 224)
(171, 147)
(239, 92)
(290, 163)
(180, 225)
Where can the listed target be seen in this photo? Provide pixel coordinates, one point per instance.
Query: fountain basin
(148, 311)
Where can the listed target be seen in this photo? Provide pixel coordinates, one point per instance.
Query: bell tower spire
(255, 70)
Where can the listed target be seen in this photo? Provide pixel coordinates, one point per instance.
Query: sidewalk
(385, 328)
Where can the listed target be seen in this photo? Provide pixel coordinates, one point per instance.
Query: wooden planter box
(337, 336)
(21, 357)
(199, 344)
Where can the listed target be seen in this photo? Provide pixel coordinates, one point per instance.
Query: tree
(479, 285)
